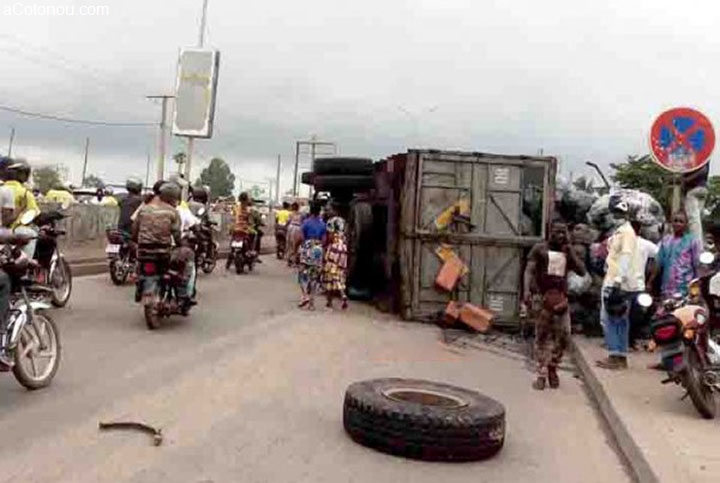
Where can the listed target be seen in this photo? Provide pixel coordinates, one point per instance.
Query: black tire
(152, 319)
(239, 265)
(117, 278)
(333, 182)
(307, 178)
(353, 166)
(209, 263)
(19, 370)
(60, 297)
(701, 395)
(424, 420)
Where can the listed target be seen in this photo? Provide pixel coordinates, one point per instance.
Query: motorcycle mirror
(707, 258)
(201, 211)
(644, 300)
(28, 217)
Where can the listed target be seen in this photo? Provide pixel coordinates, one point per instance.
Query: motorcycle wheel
(61, 283)
(118, 274)
(701, 395)
(152, 318)
(38, 342)
(209, 263)
(239, 265)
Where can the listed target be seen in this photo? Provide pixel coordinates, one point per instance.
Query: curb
(632, 452)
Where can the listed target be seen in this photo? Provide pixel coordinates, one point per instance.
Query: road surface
(250, 389)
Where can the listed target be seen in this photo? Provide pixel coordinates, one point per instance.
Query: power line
(51, 117)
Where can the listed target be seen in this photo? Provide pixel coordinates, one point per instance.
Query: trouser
(190, 275)
(552, 336)
(29, 249)
(5, 287)
(615, 327)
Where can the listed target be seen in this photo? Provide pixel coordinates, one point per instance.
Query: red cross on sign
(682, 140)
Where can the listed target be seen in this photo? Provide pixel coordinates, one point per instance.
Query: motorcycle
(241, 252)
(32, 338)
(205, 247)
(121, 256)
(52, 270)
(691, 357)
(165, 299)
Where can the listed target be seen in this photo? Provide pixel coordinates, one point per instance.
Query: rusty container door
(502, 202)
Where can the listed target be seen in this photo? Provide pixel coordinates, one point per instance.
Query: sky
(579, 80)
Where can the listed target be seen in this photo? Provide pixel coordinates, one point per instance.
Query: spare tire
(329, 182)
(424, 420)
(307, 178)
(354, 166)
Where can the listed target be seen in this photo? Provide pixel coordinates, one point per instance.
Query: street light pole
(162, 136)
(277, 180)
(12, 138)
(84, 171)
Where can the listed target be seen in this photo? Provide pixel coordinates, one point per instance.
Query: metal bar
(12, 139)
(504, 215)
(503, 267)
(85, 162)
(295, 176)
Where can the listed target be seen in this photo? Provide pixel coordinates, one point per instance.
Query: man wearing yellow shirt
(59, 194)
(18, 174)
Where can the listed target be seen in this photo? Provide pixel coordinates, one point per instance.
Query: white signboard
(195, 92)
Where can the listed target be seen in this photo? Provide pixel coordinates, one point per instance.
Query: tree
(218, 177)
(92, 181)
(46, 177)
(643, 174)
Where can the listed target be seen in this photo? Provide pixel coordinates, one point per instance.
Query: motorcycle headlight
(700, 318)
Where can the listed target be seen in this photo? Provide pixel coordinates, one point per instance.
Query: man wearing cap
(622, 278)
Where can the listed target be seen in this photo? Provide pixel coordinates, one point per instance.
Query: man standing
(621, 278)
(545, 292)
(678, 258)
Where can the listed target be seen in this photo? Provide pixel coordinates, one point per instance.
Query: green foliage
(93, 181)
(218, 177)
(45, 177)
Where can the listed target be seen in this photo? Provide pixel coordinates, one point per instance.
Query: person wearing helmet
(130, 204)
(621, 278)
(23, 201)
(59, 194)
(155, 230)
(108, 198)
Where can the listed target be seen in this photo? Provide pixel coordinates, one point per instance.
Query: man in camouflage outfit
(545, 295)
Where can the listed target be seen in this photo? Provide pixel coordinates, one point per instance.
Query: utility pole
(12, 138)
(162, 138)
(277, 180)
(147, 170)
(84, 172)
(191, 140)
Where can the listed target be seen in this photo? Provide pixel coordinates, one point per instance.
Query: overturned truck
(411, 211)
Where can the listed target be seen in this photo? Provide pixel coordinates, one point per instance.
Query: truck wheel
(330, 182)
(424, 420)
(354, 166)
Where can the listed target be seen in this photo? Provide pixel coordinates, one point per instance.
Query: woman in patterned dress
(335, 260)
(311, 256)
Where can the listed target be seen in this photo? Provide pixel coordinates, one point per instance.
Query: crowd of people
(316, 246)
(628, 265)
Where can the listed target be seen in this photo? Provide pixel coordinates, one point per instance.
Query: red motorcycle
(682, 330)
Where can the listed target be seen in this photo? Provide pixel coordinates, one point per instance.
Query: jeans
(4, 300)
(191, 276)
(616, 329)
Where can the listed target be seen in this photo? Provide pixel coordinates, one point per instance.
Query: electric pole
(12, 138)
(147, 170)
(162, 138)
(84, 171)
(277, 180)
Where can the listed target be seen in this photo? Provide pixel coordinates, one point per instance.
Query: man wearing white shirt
(647, 252)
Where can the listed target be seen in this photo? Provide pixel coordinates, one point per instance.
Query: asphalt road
(250, 389)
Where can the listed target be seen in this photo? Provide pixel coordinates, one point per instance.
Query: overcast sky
(581, 80)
